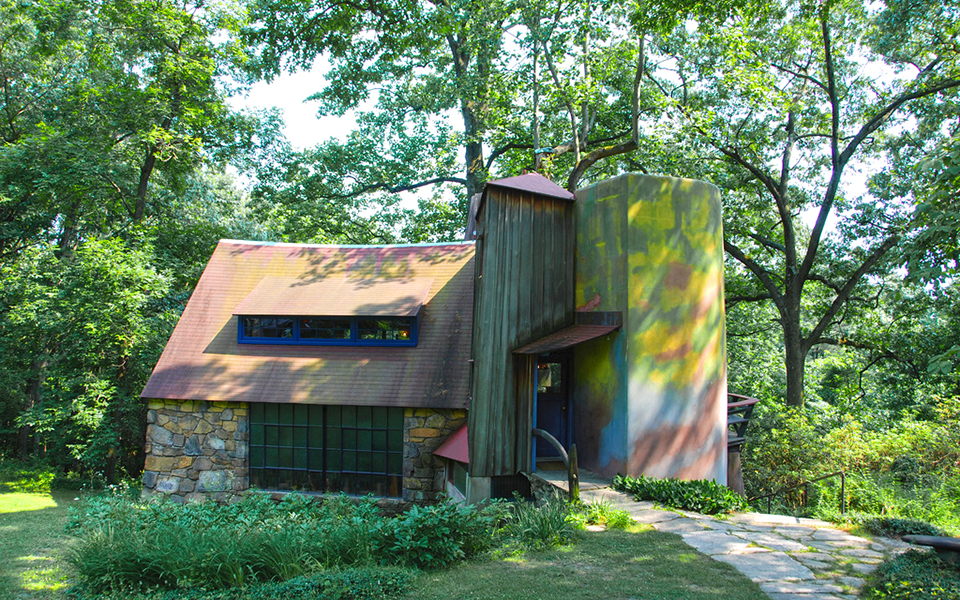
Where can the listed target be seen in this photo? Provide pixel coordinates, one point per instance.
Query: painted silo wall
(652, 399)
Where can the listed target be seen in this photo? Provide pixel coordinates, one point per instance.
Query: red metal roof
(336, 296)
(455, 447)
(566, 338)
(534, 183)
(203, 361)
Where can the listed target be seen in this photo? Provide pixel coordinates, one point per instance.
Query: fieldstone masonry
(196, 450)
(424, 429)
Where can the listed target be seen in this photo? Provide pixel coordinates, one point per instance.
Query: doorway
(553, 409)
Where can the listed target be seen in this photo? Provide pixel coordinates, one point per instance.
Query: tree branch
(844, 293)
(757, 270)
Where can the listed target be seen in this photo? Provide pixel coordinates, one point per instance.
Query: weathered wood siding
(524, 290)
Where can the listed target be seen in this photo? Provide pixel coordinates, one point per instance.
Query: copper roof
(203, 361)
(455, 446)
(566, 338)
(336, 296)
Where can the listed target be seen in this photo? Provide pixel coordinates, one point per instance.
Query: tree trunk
(794, 360)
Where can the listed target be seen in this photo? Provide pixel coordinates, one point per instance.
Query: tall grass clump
(125, 544)
(552, 523)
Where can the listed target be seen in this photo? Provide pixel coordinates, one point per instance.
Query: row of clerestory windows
(331, 331)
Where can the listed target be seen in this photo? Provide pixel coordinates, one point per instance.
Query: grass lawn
(31, 537)
(608, 565)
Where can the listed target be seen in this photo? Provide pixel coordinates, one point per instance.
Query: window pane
(363, 417)
(395, 463)
(286, 436)
(394, 329)
(272, 459)
(333, 416)
(349, 437)
(349, 461)
(251, 327)
(381, 417)
(256, 435)
(270, 414)
(333, 437)
(379, 464)
(300, 458)
(324, 329)
(316, 437)
(379, 440)
(364, 461)
(363, 440)
(300, 437)
(316, 415)
(256, 458)
(271, 435)
(277, 328)
(286, 414)
(348, 415)
(286, 457)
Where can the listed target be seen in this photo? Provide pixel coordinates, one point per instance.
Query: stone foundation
(196, 450)
(424, 429)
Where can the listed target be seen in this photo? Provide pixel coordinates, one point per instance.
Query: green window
(351, 449)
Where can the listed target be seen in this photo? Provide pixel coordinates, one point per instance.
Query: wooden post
(573, 478)
(735, 473)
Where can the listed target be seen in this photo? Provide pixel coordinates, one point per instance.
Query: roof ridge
(296, 245)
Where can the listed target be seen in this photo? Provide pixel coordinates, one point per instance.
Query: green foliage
(702, 496)
(20, 476)
(913, 575)
(129, 544)
(435, 536)
(548, 525)
(355, 583)
(909, 470)
(897, 528)
(602, 513)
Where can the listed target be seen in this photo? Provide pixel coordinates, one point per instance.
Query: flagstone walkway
(790, 558)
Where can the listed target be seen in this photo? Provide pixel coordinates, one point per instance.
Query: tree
(785, 108)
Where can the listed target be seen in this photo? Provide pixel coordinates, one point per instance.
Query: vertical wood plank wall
(524, 290)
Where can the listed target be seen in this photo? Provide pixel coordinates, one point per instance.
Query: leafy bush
(702, 496)
(908, 470)
(913, 575)
(435, 536)
(367, 583)
(897, 528)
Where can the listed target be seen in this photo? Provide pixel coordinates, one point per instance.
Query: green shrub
(702, 496)
(367, 583)
(913, 575)
(897, 528)
(438, 535)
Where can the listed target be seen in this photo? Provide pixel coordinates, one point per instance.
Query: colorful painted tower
(651, 399)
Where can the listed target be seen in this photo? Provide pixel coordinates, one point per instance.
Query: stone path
(790, 558)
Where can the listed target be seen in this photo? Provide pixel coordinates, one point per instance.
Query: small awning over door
(589, 326)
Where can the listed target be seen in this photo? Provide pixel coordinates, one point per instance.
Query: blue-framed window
(328, 331)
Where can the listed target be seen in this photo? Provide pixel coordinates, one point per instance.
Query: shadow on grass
(31, 544)
(601, 565)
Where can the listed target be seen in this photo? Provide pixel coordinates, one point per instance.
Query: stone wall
(424, 429)
(196, 450)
